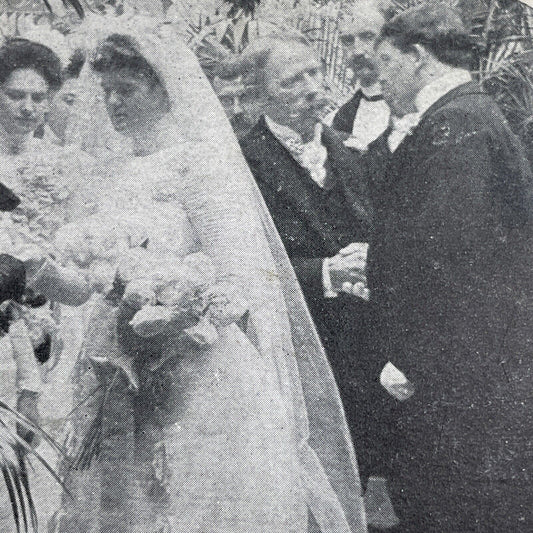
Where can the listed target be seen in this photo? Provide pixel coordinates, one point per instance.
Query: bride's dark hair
(119, 52)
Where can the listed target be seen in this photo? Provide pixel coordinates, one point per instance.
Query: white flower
(139, 293)
(151, 320)
(203, 334)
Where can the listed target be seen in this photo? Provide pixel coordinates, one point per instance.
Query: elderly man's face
(294, 88)
(399, 76)
(358, 31)
(238, 103)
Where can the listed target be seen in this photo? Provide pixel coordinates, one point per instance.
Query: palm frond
(14, 415)
(247, 6)
(75, 4)
(11, 490)
(26, 485)
(15, 454)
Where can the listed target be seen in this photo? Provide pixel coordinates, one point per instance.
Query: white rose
(151, 320)
(139, 293)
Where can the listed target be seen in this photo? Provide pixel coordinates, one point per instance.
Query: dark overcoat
(450, 273)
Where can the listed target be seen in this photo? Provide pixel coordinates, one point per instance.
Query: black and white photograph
(266, 266)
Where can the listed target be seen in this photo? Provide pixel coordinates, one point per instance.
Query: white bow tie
(401, 127)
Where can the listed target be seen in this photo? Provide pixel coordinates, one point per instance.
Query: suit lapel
(283, 174)
(345, 117)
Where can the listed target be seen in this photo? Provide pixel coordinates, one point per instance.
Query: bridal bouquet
(173, 295)
(176, 300)
(170, 296)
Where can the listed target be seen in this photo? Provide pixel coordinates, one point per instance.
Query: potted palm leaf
(15, 458)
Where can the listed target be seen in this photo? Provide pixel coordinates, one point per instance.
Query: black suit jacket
(345, 116)
(315, 223)
(449, 270)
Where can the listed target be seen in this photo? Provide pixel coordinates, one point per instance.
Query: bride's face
(134, 104)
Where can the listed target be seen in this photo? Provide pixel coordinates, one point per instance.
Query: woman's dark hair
(435, 26)
(19, 53)
(119, 52)
(75, 64)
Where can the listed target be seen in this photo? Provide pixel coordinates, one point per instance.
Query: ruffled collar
(311, 156)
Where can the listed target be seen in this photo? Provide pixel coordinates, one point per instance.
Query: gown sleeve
(221, 208)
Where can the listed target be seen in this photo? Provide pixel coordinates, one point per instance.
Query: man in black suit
(365, 116)
(449, 272)
(320, 207)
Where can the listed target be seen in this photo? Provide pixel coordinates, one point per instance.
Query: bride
(244, 435)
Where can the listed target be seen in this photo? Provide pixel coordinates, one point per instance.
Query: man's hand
(27, 407)
(401, 392)
(348, 266)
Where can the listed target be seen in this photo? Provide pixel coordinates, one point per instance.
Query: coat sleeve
(309, 274)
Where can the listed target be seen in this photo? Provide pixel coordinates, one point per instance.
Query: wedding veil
(279, 321)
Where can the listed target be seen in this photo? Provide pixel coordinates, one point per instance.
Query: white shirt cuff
(326, 280)
(28, 372)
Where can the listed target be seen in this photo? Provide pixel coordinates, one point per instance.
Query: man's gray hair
(252, 62)
(348, 8)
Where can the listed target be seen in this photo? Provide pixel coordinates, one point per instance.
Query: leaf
(15, 476)
(48, 6)
(247, 6)
(239, 29)
(19, 445)
(26, 484)
(77, 7)
(28, 424)
(11, 491)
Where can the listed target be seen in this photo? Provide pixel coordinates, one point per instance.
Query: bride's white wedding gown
(248, 435)
(207, 444)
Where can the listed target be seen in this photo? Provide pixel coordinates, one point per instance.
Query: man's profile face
(24, 100)
(294, 88)
(238, 103)
(358, 31)
(399, 77)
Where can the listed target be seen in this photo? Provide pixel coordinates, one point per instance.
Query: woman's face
(134, 104)
(24, 100)
(61, 107)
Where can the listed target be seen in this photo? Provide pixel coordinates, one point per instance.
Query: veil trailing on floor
(280, 324)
